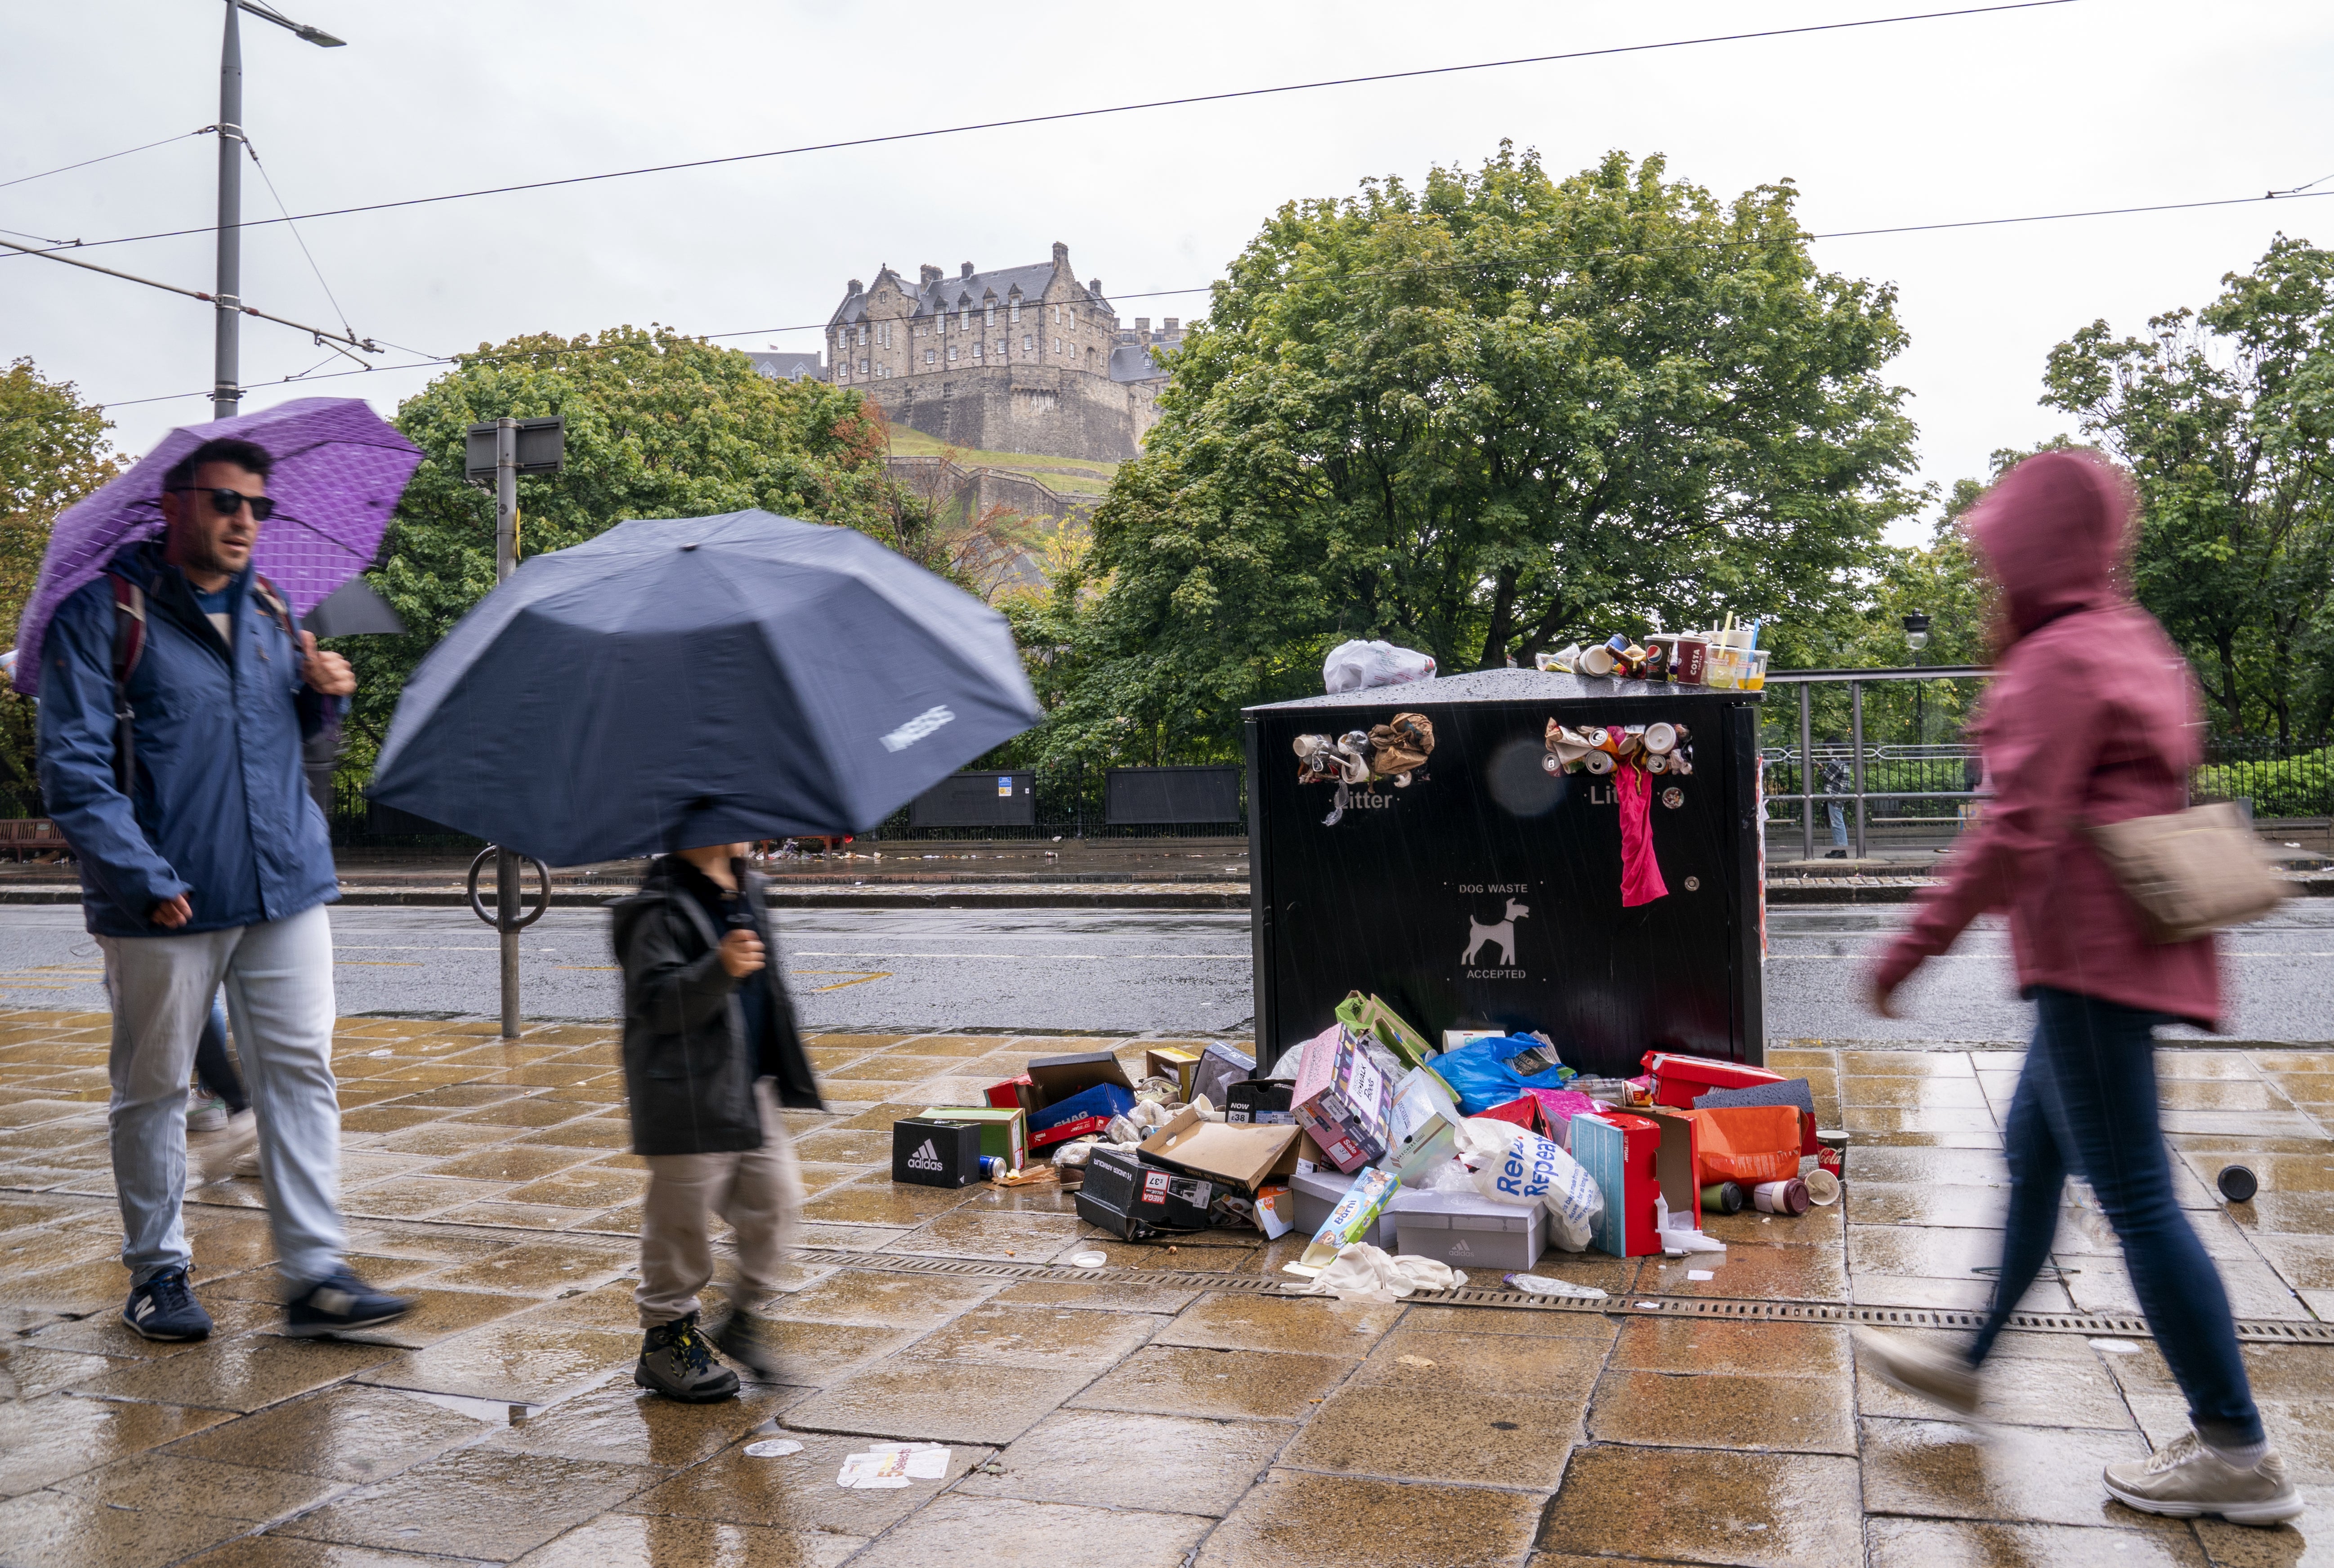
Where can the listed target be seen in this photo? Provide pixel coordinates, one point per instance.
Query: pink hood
(2092, 717)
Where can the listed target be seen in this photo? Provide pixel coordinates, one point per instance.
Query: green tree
(2226, 417)
(1481, 418)
(53, 451)
(658, 426)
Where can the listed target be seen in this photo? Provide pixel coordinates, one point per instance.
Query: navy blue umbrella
(701, 680)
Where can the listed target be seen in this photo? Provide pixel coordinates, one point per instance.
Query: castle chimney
(1061, 255)
(854, 285)
(1094, 287)
(1172, 330)
(966, 272)
(931, 274)
(1141, 323)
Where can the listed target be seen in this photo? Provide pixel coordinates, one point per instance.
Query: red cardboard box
(1635, 1158)
(1014, 1091)
(1678, 1079)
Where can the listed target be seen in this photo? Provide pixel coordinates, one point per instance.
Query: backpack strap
(129, 645)
(273, 602)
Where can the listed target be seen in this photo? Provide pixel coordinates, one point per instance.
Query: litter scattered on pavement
(773, 1447)
(891, 1465)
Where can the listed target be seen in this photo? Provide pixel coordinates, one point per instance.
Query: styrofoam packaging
(1469, 1232)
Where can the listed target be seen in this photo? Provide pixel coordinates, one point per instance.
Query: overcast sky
(2097, 103)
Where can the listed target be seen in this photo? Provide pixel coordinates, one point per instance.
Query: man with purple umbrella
(175, 698)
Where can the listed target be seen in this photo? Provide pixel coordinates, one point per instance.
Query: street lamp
(1916, 637)
(225, 370)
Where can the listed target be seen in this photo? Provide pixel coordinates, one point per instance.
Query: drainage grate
(2265, 1331)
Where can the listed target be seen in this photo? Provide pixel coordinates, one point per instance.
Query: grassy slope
(1073, 476)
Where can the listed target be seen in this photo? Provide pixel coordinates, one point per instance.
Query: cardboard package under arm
(1635, 1159)
(1343, 1100)
(1243, 1159)
(1004, 1134)
(1469, 1231)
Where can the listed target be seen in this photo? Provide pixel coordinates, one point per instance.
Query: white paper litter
(1366, 1273)
(1700, 1274)
(1088, 1259)
(1541, 1284)
(888, 1465)
(772, 1448)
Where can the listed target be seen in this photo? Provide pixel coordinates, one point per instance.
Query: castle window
(1058, 345)
(952, 351)
(989, 315)
(928, 356)
(1017, 313)
(1028, 343)
(863, 367)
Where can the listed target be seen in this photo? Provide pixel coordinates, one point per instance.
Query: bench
(32, 835)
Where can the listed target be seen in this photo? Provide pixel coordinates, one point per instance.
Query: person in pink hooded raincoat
(2093, 717)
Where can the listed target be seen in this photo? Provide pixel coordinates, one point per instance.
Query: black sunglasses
(227, 503)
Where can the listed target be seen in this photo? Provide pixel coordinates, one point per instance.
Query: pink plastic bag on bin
(1641, 874)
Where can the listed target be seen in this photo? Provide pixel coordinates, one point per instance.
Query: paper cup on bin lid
(1598, 661)
(1660, 737)
(1690, 662)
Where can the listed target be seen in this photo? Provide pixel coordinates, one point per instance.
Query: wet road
(1063, 969)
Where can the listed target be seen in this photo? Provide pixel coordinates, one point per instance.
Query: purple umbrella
(339, 471)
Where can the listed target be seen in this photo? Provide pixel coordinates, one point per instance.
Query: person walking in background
(710, 1054)
(2093, 718)
(1839, 778)
(174, 699)
(222, 1132)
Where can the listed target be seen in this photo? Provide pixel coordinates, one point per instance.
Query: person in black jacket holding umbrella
(710, 1054)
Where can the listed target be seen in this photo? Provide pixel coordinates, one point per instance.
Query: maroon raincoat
(2093, 717)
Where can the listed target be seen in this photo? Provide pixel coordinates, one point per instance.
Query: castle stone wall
(1038, 409)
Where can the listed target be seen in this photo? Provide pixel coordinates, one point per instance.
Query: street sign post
(499, 452)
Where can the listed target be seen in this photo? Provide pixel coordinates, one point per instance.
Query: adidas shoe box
(1133, 1201)
(934, 1153)
(1466, 1231)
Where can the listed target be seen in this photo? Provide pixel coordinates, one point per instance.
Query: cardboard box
(1313, 1193)
(1004, 1134)
(1372, 1014)
(1173, 1063)
(1259, 1102)
(1468, 1231)
(1454, 1038)
(1678, 1079)
(1243, 1159)
(1419, 1098)
(1219, 1066)
(1635, 1158)
(1351, 1217)
(1076, 1115)
(1056, 1078)
(1014, 1091)
(1146, 1198)
(1343, 1100)
(1276, 1212)
(931, 1153)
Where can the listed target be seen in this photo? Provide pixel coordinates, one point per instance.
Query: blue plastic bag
(1479, 1075)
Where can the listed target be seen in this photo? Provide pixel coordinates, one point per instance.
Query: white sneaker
(212, 1157)
(210, 1116)
(2185, 1478)
(1941, 1377)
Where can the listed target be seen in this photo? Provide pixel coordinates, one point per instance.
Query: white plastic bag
(1358, 666)
(1531, 1169)
(1366, 1273)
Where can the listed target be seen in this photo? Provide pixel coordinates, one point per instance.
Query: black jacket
(689, 1067)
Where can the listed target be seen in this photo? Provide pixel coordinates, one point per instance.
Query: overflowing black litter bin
(1486, 892)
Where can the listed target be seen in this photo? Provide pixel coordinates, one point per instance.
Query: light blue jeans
(278, 977)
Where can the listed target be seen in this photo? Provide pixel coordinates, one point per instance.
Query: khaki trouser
(758, 1193)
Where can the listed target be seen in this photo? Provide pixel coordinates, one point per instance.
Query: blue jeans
(278, 977)
(2086, 1103)
(1838, 815)
(214, 1068)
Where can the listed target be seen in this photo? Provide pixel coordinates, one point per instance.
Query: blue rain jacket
(219, 810)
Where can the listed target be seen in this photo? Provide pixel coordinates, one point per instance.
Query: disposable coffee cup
(1781, 1196)
(1598, 661)
(1831, 1154)
(1823, 1186)
(1691, 663)
(1721, 1197)
(1660, 737)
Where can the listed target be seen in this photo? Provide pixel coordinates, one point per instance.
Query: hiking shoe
(164, 1308)
(214, 1156)
(677, 1362)
(1941, 1377)
(210, 1116)
(2185, 1478)
(750, 1340)
(340, 1304)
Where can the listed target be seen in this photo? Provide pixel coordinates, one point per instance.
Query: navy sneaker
(164, 1308)
(339, 1303)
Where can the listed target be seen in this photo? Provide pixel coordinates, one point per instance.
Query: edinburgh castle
(1021, 358)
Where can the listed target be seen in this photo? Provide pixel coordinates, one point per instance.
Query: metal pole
(1856, 741)
(1806, 778)
(227, 373)
(506, 860)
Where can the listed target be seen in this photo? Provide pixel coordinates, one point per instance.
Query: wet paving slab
(1158, 1409)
